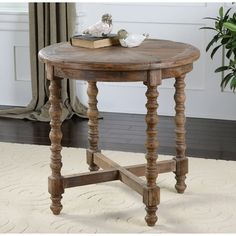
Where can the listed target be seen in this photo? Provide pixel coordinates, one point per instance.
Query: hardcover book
(94, 42)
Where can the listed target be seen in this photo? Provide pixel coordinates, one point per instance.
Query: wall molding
(150, 12)
(14, 21)
(159, 23)
(8, 11)
(23, 28)
(14, 17)
(18, 77)
(159, 4)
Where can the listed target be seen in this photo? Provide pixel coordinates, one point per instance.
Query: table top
(151, 54)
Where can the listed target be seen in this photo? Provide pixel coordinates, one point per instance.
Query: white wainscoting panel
(15, 84)
(22, 63)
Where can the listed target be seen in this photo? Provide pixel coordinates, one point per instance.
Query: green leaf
(215, 38)
(232, 63)
(210, 18)
(226, 36)
(221, 12)
(226, 14)
(214, 51)
(226, 80)
(234, 44)
(228, 46)
(230, 26)
(233, 83)
(208, 28)
(220, 25)
(222, 68)
(225, 40)
(229, 53)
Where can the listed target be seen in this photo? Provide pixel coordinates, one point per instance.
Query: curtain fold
(49, 23)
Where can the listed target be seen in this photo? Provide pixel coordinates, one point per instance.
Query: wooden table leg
(55, 183)
(151, 145)
(92, 124)
(181, 159)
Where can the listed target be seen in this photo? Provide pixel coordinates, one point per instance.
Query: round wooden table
(151, 62)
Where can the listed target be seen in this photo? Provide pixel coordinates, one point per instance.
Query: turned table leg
(55, 184)
(92, 124)
(181, 159)
(151, 146)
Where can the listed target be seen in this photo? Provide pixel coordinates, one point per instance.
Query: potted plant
(225, 37)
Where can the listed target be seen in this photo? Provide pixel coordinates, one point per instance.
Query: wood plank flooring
(207, 138)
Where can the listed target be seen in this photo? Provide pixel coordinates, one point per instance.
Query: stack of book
(87, 41)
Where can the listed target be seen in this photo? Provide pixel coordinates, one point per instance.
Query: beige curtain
(48, 23)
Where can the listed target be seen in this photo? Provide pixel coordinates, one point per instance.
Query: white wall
(175, 21)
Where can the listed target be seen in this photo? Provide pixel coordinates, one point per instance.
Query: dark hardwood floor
(206, 138)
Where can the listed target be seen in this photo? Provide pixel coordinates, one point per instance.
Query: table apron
(119, 76)
(106, 76)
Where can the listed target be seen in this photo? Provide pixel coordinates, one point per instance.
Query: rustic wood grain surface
(151, 54)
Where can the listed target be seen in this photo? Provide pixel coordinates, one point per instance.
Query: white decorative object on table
(102, 28)
(130, 40)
